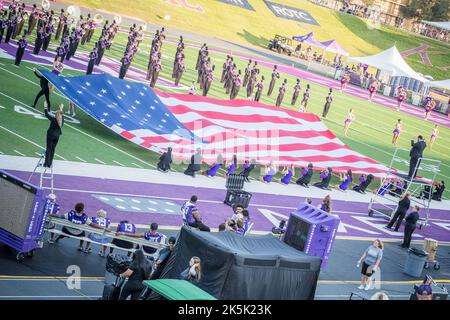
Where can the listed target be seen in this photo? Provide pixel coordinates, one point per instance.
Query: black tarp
(245, 267)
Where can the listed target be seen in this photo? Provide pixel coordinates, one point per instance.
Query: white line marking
(33, 143)
(39, 154)
(20, 153)
(136, 165)
(2, 107)
(99, 161)
(82, 132)
(82, 160)
(118, 163)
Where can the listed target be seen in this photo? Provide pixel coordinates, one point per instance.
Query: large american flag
(156, 120)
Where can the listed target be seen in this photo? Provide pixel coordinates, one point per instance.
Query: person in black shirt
(45, 90)
(439, 190)
(165, 160)
(247, 168)
(403, 207)
(138, 271)
(53, 133)
(410, 226)
(416, 153)
(307, 174)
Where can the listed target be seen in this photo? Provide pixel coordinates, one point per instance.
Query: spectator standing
(370, 260)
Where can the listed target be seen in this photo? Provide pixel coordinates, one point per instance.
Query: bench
(104, 234)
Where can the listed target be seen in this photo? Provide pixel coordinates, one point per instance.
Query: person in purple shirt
(39, 40)
(58, 66)
(60, 52)
(307, 174)
(281, 92)
(126, 61)
(364, 182)
(92, 59)
(152, 235)
(326, 204)
(232, 165)
(77, 217)
(124, 228)
(211, 172)
(270, 172)
(287, 174)
(346, 180)
(21, 45)
(187, 208)
(3, 24)
(99, 222)
(296, 93)
(259, 89)
(325, 175)
(10, 26)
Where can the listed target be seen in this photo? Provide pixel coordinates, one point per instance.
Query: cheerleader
(270, 172)
(287, 175)
(346, 180)
(434, 135)
(397, 131)
(232, 166)
(306, 97)
(58, 66)
(348, 121)
(373, 87)
(401, 97)
(430, 104)
(345, 79)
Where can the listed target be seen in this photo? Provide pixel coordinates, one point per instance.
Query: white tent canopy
(442, 25)
(443, 84)
(391, 62)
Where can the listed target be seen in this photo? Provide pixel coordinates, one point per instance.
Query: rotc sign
(239, 3)
(290, 13)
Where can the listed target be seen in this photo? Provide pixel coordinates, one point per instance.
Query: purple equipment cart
(312, 231)
(22, 216)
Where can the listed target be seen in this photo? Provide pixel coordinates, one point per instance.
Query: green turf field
(87, 141)
(235, 24)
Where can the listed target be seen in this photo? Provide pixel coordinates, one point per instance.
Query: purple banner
(239, 3)
(290, 13)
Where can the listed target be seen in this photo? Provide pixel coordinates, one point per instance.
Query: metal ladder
(386, 206)
(45, 174)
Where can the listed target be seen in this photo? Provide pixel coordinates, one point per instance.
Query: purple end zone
(266, 210)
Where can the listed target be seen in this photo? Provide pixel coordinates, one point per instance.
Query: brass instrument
(45, 5)
(98, 18)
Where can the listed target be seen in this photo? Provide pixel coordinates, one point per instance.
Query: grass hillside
(239, 25)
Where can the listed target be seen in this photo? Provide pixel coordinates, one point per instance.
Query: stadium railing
(104, 234)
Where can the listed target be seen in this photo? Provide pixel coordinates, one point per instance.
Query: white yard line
(23, 155)
(82, 132)
(99, 161)
(82, 160)
(21, 137)
(136, 165)
(118, 163)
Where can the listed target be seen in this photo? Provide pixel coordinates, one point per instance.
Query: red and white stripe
(252, 130)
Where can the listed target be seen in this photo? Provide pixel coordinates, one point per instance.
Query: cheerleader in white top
(348, 121)
(397, 131)
(401, 97)
(434, 135)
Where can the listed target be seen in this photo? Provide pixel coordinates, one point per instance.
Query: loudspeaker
(312, 231)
